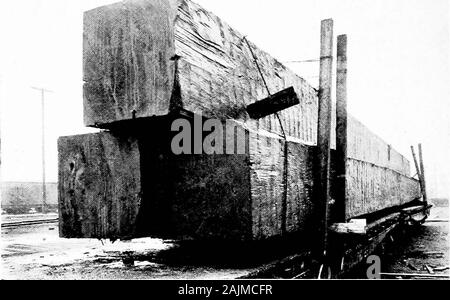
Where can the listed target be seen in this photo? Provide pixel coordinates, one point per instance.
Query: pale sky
(399, 69)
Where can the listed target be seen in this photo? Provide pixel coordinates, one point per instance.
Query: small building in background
(26, 197)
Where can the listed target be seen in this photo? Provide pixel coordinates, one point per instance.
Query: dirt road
(36, 252)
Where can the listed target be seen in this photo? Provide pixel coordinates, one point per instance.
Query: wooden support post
(419, 173)
(324, 135)
(422, 169)
(341, 129)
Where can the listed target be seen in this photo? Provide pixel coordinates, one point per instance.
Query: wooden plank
(339, 211)
(357, 226)
(322, 184)
(273, 104)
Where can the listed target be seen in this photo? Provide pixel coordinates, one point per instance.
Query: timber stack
(150, 63)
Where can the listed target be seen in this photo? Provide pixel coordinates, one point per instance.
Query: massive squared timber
(148, 61)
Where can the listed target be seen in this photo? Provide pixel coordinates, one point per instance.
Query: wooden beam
(341, 129)
(151, 58)
(422, 168)
(356, 226)
(140, 189)
(273, 104)
(324, 134)
(177, 61)
(181, 61)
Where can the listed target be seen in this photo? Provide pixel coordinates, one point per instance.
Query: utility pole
(44, 187)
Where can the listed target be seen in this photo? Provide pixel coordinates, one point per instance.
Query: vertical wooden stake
(341, 129)
(422, 169)
(324, 133)
(419, 172)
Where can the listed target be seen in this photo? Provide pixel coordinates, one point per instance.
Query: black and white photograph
(201, 141)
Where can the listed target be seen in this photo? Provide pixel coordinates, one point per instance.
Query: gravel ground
(422, 250)
(38, 253)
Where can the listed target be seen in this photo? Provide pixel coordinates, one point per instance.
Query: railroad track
(16, 224)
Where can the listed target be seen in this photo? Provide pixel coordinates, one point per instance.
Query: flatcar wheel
(321, 272)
